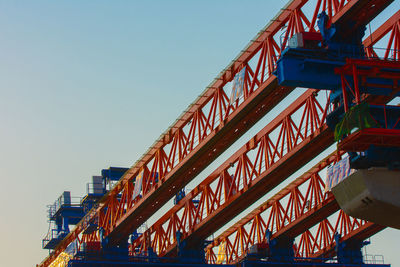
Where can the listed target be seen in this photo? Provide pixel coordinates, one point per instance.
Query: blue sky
(88, 85)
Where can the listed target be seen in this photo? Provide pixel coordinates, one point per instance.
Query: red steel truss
(289, 208)
(298, 206)
(361, 140)
(197, 219)
(294, 137)
(323, 242)
(392, 51)
(211, 123)
(320, 241)
(210, 128)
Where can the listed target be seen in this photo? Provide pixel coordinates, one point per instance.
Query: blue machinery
(62, 213)
(67, 210)
(273, 253)
(327, 61)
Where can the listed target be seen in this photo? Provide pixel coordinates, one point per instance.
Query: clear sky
(85, 85)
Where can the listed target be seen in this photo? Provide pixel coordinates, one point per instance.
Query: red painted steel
(123, 216)
(268, 158)
(392, 50)
(362, 139)
(120, 217)
(283, 213)
(356, 72)
(185, 216)
(389, 50)
(300, 205)
(241, 239)
(210, 124)
(358, 14)
(320, 241)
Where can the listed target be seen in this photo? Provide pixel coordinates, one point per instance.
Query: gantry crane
(109, 231)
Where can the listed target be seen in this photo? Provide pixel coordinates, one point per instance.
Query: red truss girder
(300, 205)
(316, 242)
(164, 237)
(201, 126)
(127, 216)
(391, 27)
(320, 241)
(93, 237)
(392, 138)
(210, 124)
(257, 167)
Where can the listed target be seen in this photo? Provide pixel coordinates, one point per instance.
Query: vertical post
(356, 88)
(345, 100)
(349, 252)
(65, 224)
